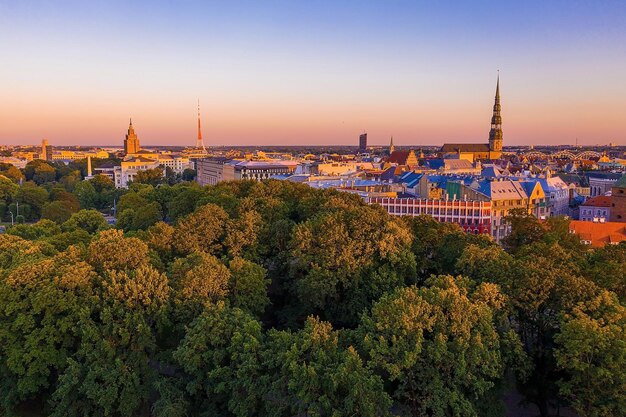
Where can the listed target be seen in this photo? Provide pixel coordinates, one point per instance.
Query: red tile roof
(599, 201)
(599, 234)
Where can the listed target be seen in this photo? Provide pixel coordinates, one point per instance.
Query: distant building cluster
(473, 185)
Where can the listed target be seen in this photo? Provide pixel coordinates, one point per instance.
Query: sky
(311, 72)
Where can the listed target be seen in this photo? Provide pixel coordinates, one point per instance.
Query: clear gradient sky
(311, 71)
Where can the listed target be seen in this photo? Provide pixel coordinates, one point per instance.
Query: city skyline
(318, 74)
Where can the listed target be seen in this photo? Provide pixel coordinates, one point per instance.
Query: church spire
(495, 134)
(391, 147)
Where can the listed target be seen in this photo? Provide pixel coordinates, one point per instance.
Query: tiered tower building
(131, 143)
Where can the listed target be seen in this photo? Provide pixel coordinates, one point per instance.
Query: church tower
(391, 147)
(131, 143)
(495, 134)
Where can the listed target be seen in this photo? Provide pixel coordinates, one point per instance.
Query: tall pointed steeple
(495, 134)
(391, 147)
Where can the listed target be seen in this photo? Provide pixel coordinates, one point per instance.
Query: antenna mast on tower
(199, 141)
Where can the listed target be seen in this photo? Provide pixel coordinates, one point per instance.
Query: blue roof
(410, 178)
(434, 163)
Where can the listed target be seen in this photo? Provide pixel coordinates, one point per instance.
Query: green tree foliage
(86, 194)
(592, 349)
(338, 268)
(273, 299)
(152, 176)
(31, 196)
(40, 172)
(42, 301)
(605, 267)
(8, 189)
(58, 211)
(438, 344)
(247, 287)
(189, 174)
(90, 221)
(525, 229)
(11, 172)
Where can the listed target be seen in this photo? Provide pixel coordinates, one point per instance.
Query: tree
(11, 172)
(545, 283)
(34, 197)
(42, 303)
(58, 211)
(220, 354)
(86, 194)
(189, 174)
(91, 221)
(201, 231)
(605, 267)
(43, 228)
(40, 172)
(8, 190)
(141, 219)
(525, 229)
(592, 350)
(200, 278)
(110, 373)
(310, 373)
(247, 287)
(152, 176)
(102, 183)
(338, 269)
(70, 180)
(438, 345)
(111, 251)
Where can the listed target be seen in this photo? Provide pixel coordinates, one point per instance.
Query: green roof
(621, 182)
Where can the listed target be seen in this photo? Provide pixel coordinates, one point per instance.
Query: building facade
(473, 216)
(363, 142)
(596, 209)
(131, 142)
(211, 171)
(618, 201)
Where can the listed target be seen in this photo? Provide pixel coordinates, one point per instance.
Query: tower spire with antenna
(199, 140)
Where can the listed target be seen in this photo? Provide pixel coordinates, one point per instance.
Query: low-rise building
(595, 209)
(598, 234)
(211, 171)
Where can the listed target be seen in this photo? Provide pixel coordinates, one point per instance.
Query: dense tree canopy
(275, 299)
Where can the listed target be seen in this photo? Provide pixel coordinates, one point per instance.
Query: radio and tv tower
(199, 141)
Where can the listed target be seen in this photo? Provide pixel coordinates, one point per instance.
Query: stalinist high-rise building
(131, 143)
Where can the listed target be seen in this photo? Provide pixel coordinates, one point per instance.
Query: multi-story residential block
(596, 209)
(557, 195)
(473, 216)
